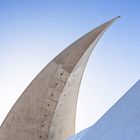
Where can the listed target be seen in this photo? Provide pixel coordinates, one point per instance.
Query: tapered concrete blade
(46, 110)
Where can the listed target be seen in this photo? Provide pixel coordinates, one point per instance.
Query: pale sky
(33, 32)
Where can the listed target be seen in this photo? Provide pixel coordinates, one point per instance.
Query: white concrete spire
(46, 109)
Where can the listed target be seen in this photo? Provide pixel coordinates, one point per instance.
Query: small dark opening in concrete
(61, 73)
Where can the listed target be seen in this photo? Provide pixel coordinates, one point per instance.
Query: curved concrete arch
(46, 109)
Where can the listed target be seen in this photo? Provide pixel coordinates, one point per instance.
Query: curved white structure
(121, 122)
(46, 110)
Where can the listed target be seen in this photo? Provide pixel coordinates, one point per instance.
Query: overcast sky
(32, 32)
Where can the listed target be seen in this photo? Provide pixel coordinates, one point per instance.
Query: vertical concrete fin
(72, 54)
(63, 122)
(48, 104)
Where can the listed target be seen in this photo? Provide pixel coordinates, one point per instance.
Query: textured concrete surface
(46, 110)
(121, 122)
